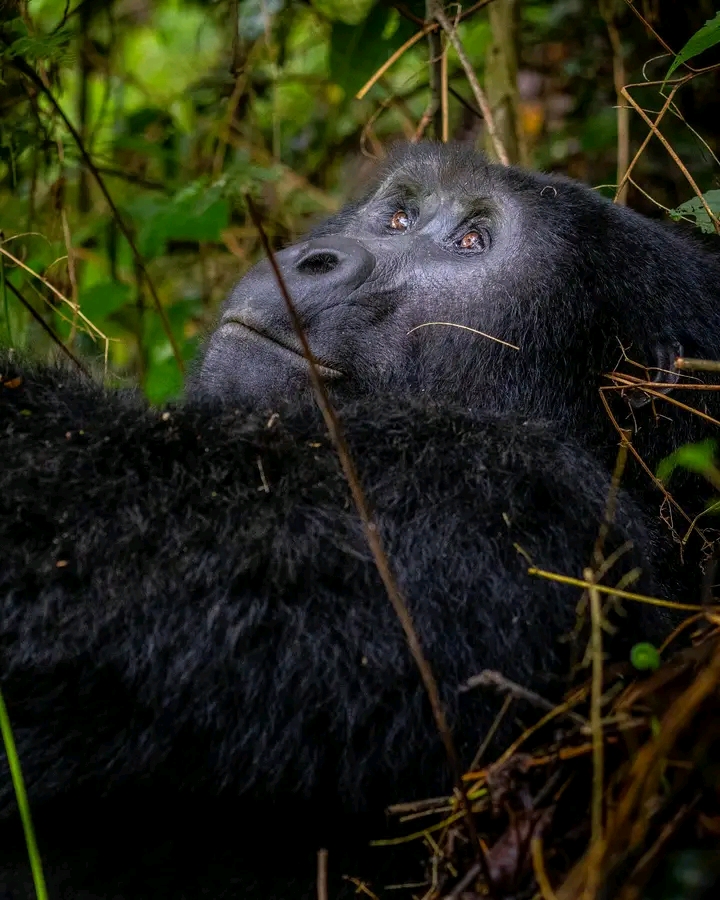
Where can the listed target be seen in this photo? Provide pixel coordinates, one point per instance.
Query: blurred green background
(130, 131)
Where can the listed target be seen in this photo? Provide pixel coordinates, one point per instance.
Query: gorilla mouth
(256, 334)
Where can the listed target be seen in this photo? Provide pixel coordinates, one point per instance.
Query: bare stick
(465, 882)
(322, 875)
(467, 328)
(394, 58)
(697, 365)
(623, 111)
(597, 841)
(435, 54)
(615, 592)
(538, 861)
(372, 536)
(676, 159)
(628, 171)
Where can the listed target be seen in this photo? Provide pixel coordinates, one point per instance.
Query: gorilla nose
(338, 259)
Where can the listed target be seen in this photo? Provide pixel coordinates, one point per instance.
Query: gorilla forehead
(458, 172)
(457, 175)
(455, 172)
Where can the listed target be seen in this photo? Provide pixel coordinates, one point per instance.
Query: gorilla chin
(255, 366)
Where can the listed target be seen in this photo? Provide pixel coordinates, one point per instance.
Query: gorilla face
(537, 262)
(418, 249)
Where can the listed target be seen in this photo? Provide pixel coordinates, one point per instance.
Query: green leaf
(53, 47)
(196, 213)
(357, 51)
(103, 299)
(698, 458)
(164, 381)
(708, 36)
(645, 657)
(694, 209)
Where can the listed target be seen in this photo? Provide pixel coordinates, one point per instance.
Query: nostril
(318, 262)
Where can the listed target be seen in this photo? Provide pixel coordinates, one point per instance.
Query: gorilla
(205, 677)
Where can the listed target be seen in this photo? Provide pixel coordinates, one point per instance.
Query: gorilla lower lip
(325, 371)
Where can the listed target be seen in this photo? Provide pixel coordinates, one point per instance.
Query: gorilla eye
(400, 221)
(473, 240)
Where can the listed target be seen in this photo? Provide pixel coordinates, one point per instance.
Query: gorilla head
(539, 262)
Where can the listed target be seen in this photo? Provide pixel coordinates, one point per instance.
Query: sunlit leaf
(31, 47)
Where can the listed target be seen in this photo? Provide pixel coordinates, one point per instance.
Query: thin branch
(467, 328)
(664, 44)
(408, 14)
(47, 329)
(51, 287)
(614, 592)
(410, 42)
(541, 877)
(678, 162)
(435, 55)
(444, 105)
(640, 461)
(698, 365)
(628, 171)
(373, 538)
(597, 841)
(459, 97)
(322, 875)
(18, 783)
(493, 679)
(475, 8)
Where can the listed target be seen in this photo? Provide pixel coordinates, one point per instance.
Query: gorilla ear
(665, 374)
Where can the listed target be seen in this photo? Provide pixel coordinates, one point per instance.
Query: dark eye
(400, 221)
(473, 240)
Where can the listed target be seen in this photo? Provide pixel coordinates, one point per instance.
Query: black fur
(194, 637)
(189, 603)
